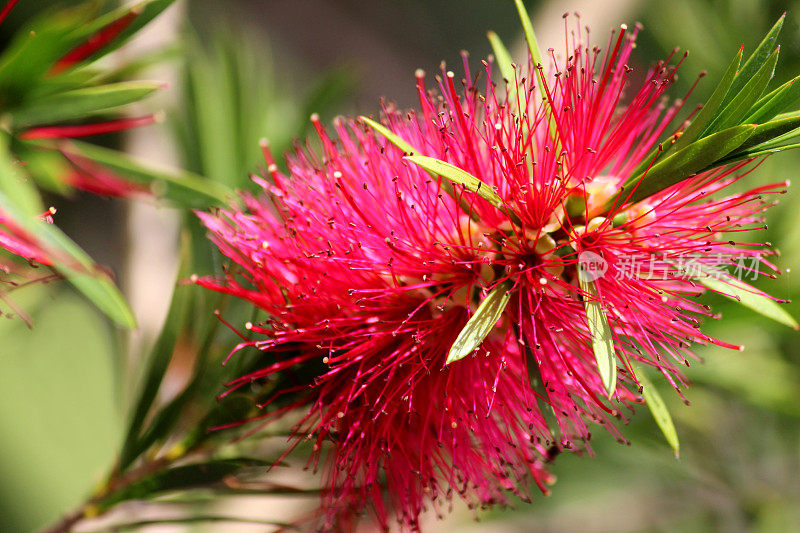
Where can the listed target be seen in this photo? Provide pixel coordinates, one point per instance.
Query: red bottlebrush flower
(92, 177)
(370, 268)
(96, 42)
(87, 130)
(7, 9)
(85, 174)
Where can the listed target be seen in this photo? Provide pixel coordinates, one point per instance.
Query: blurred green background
(252, 69)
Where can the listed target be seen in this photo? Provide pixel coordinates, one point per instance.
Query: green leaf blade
(95, 285)
(698, 156)
(709, 109)
(770, 132)
(506, 65)
(136, 438)
(391, 136)
(775, 103)
(756, 60)
(182, 187)
(659, 410)
(743, 101)
(530, 35)
(80, 103)
(480, 323)
(182, 477)
(458, 176)
(734, 289)
(536, 55)
(602, 338)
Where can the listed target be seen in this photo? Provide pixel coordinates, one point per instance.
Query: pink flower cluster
(368, 267)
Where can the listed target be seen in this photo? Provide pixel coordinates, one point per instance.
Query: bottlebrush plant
(453, 286)
(437, 303)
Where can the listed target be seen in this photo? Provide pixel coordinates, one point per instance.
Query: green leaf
(184, 477)
(480, 324)
(503, 58)
(392, 137)
(506, 69)
(182, 187)
(46, 167)
(147, 9)
(659, 411)
(707, 113)
(775, 102)
(530, 38)
(600, 331)
(699, 155)
(730, 287)
(458, 176)
(20, 192)
(229, 410)
(758, 151)
(740, 105)
(81, 103)
(211, 85)
(536, 55)
(157, 362)
(197, 519)
(770, 131)
(755, 61)
(94, 284)
(409, 150)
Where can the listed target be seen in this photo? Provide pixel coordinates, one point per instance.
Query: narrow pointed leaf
(736, 290)
(136, 439)
(740, 105)
(696, 157)
(756, 60)
(775, 103)
(184, 521)
(659, 411)
(180, 186)
(506, 69)
(145, 12)
(536, 55)
(709, 109)
(770, 131)
(530, 35)
(392, 137)
(183, 477)
(82, 102)
(480, 324)
(458, 176)
(758, 151)
(407, 149)
(97, 286)
(602, 340)
(502, 56)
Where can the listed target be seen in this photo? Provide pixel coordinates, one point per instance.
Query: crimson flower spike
(7, 9)
(96, 42)
(463, 292)
(86, 130)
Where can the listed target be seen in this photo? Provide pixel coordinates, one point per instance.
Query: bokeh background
(246, 69)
